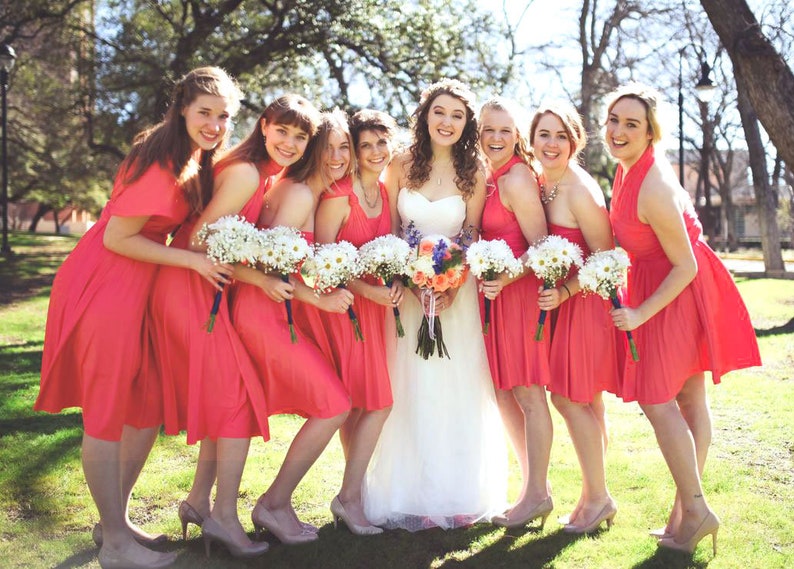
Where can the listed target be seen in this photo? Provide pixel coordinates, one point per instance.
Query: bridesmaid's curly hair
(465, 152)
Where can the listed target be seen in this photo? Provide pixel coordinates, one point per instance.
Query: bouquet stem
(396, 311)
(288, 305)
(354, 319)
(541, 317)
(632, 346)
(426, 346)
(216, 304)
(487, 324)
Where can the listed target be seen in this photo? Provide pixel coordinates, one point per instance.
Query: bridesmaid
(297, 378)
(211, 387)
(683, 306)
(357, 211)
(95, 338)
(584, 356)
(519, 364)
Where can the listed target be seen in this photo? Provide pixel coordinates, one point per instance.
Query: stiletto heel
(96, 536)
(188, 515)
(709, 526)
(607, 514)
(339, 513)
(541, 511)
(262, 518)
(213, 531)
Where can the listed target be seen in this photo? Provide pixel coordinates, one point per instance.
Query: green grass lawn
(46, 513)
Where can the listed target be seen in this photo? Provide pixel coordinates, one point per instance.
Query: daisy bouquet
(436, 265)
(386, 257)
(603, 274)
(332, 266)
(551, 260)
(488, 258)
(230, 239)
(283, 251)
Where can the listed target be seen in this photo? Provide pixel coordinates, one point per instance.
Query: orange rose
(426, 247)
(418, 278)
(440, 282)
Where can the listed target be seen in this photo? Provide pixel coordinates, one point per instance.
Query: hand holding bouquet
(603, 274)
(230, 239)
(386, 257)
(437, 266)
(333, 266)
(283, 250)
(551, 260)
(488, 258)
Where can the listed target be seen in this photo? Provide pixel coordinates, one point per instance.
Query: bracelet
(566, 290)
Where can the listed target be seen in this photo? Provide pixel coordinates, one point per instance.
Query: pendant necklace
(555, 189)
(372, 204)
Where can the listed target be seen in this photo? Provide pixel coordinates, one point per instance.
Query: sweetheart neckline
(428, 200)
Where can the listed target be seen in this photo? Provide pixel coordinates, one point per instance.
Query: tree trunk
(34, 221)
(765, 197)
(767, 78)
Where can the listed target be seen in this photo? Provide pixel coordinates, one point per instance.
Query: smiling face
(284, 143)
(498, 136)
(207, 119)
(336, 155)
(551, 142)
(627, 131)
(374, 151)
(446, 119)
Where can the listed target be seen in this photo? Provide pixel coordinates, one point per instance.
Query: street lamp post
(7, 57)
(705, 91)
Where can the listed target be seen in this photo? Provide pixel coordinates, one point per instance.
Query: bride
(441, 458)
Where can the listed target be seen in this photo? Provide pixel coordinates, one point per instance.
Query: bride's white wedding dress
(441, 459)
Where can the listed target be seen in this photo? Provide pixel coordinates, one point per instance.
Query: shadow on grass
(540, 552)
(21, 358)
(786, 328)
(665, 559)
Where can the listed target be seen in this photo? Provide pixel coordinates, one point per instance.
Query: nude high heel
(213, 531)
(607, 514)
(541, 511)
(262, 518)
(188, 515)
(708, 526)
(339, 513)
(112, 560)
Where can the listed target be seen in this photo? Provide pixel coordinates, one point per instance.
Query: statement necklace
(555, 189)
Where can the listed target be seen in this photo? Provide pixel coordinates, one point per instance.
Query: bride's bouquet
(333, 265)
(603, 274)
(436, 266)
(283, 250)
(386, 257)
(231, 239)
(488, 258)
(551, 260)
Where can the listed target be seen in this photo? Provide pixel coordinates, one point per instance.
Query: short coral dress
(514, 357)
(297, 378)
(586, 348)
(705, 328)
(95, 337)
(361, 365)
(210, 385)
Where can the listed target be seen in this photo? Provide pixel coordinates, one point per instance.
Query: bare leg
(362, 443)
(537, 436)
(678, 448)
(204, 477)
(514, 422)
(587, 436)
(136, 444)
(348, 429)
(305, 449)
(231, 457)
(693, 403)
(102, 468)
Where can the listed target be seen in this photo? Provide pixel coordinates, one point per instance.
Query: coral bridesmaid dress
(95, 337)
(514, 357)
(705, 328)
(210, 386)
(586, 349)
(362, 366)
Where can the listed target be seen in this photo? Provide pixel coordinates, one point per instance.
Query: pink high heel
(607, 514)
(188, 515)
(708, 526)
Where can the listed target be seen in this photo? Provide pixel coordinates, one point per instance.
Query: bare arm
(122, 236)
(394, 180)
